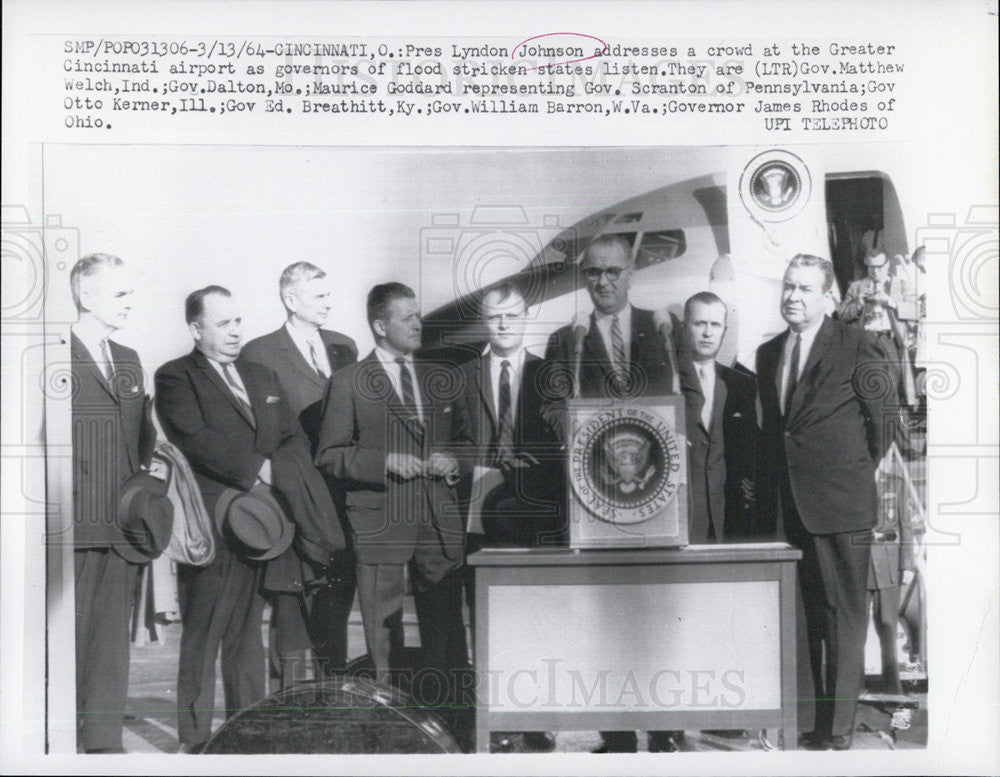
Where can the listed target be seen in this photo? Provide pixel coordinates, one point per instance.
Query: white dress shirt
(604, 323)
(303, 339)
(496, 367)
(388, 362)
(808, 337)
(706, 376)
(92, 343)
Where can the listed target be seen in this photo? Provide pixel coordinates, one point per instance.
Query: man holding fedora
(118, 523)
(231, 418)
(304, 356)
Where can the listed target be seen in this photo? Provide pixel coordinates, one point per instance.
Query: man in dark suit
(113, 437)
(304, 356)
(619, 352)
(502, 402)
(822, 388)
(231, 419)
(721, 419)
(387, 435)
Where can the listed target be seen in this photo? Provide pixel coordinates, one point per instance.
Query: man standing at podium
(502, 404)
(618, 352)
(822, 386)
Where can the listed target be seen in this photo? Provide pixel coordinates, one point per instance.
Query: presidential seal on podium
(627, 473)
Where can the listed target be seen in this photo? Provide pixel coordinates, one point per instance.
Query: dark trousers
(105, 583)
(381, 590)
(832, 623)
(220, 606)
(319, 622)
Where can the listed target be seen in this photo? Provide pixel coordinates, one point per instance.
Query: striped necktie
(505, 415)
(793, 373)
(315, 361)
(109, 369)
(238, 391)
(409, 395)
(619, 356)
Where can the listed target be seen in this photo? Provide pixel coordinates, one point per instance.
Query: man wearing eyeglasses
(617, 353)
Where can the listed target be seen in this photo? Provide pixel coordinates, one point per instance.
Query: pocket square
(273, 400)
(737, 415)
(447, 409)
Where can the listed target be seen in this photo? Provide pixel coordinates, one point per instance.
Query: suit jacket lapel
(719, 400)
(484, 384)
(216, 379)
(392, 401)
(640, 340)
(255, 396)
(776, 355)
(83, 357)
(816, 353)
(594, 351)
(297, 360)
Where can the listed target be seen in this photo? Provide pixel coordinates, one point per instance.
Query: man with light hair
(311, 605)
(113, 438)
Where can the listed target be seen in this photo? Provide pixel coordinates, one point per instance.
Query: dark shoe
(193, 749)
(539, 742)
(839, 742)
(810, 740)
(665, 741)
(104, 750)
(505, 743)
(728, 733)
(618, 742)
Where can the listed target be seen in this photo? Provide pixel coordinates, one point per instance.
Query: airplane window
(562, 247)
(657, 247)
(593, 225)
(629, 218)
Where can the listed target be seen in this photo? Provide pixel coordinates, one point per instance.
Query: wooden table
(654, 639)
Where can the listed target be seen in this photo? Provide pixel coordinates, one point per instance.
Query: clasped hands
(438, 465)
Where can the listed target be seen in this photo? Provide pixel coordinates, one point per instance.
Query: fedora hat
(146, 517)
(255, 520)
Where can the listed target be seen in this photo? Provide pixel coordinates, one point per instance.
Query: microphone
(665, 326)
(579, 329)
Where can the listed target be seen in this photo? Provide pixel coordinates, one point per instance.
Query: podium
(643, 639)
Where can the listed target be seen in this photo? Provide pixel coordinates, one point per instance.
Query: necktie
(618, 354)
(238, 392)
(505, 435)
(406, 386)
(315, 361)
(706, 390)
(793, 373)
(109, 370)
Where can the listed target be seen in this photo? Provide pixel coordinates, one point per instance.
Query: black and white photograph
(637, 488)
(594, 455)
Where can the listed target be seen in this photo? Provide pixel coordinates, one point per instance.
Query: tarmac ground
(151, 718)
